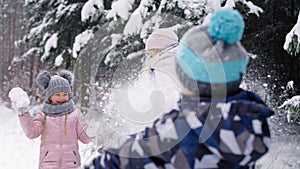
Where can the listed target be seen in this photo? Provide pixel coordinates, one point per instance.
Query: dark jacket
(205, 133)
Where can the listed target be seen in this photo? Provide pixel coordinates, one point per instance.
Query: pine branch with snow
(194, 11)
(292, 40)
(292, 109)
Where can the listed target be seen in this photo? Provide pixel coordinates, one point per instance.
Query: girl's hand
(19, 100)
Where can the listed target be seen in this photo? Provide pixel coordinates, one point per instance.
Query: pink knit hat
(161, 39)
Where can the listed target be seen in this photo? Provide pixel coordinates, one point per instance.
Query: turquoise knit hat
(213, 56)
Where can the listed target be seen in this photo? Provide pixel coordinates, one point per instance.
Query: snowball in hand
(18, 97)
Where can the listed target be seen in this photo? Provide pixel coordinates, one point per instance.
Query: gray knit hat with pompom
(61, 82)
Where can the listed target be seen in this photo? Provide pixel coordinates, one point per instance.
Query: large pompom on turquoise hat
(227, 25)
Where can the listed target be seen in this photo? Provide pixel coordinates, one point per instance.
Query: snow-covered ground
(17, 151)
(284, 154)
(285, 147)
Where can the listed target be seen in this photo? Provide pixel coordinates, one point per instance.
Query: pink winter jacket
(59, 141)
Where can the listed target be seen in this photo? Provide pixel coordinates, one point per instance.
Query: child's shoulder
(76, 111)
(245, 95)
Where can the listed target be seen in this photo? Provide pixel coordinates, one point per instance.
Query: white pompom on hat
(161, 39)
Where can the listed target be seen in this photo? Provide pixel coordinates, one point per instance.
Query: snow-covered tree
(59, 30)
(56, 25)
(292, 39)
(116, 50)
(139, 20)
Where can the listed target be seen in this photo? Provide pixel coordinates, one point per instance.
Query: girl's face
(59, 98)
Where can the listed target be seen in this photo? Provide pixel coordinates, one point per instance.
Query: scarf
(58, 110)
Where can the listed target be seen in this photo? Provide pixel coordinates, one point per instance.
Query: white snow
(36, 30)
(295, 31)
(19, 97)
(229, 4)
(290, 85)
(115, 39)
(90, 8)
(135, 23)
(58, 60)
(31, 51)
(293, 102)
(121, 9)
(252, 8)
(215, 5)
(62, 9)
(17, 151)
(51, 43)
(139, 95)
(28, 1)
(81, 40)
(46, 36)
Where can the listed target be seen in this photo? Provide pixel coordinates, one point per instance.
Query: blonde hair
(154, 52)
(44, 127)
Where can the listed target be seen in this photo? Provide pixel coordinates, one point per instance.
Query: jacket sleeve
(32, 127)
(81, 128)
(155, 150)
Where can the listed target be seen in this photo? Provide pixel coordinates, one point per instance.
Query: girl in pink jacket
(59, 124)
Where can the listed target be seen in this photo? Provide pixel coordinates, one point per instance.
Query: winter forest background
(102, 42)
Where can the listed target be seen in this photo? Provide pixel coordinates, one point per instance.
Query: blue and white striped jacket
(230, 133)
